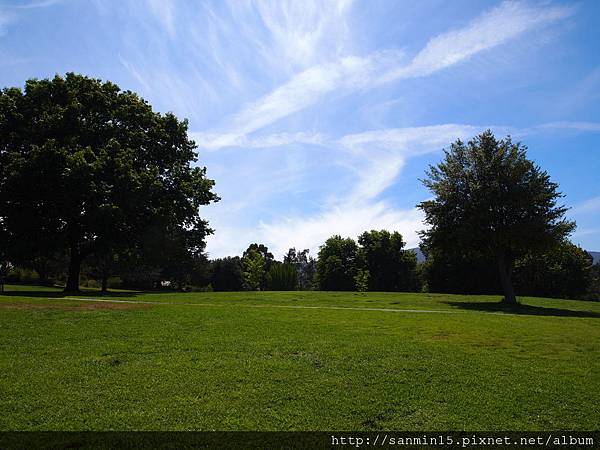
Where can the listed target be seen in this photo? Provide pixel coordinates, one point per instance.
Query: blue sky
(319, 117)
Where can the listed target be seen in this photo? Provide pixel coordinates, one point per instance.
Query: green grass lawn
(296, 361)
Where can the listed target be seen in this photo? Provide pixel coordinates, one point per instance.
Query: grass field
(295, 361)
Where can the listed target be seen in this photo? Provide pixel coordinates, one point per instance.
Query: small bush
(21, 275)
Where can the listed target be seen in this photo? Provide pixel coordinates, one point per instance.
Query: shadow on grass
(61, 294)
(526, 310)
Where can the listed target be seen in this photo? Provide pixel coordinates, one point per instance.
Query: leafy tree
(361, 280)
(337, 264)
(491, 201)
(391, 268)
(254, 269)
(282, 277)
(262, 250)
(268, 261)
(226, 274)
(305, 265)
(85, 166)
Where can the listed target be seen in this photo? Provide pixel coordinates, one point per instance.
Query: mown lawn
(296, 361)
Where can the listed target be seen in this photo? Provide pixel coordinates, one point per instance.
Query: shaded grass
(523, 309)
(203, 361)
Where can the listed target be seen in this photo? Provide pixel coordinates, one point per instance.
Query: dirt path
(349, 308)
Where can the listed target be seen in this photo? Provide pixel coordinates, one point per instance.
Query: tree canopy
(226, 274)
(391, 268)
(87, 168)
(491, 201)
(306, 266)
(337, 264)
(257, 261)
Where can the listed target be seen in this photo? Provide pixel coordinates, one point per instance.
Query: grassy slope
(226, 364)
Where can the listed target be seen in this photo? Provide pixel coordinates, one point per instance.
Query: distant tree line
(376, 261)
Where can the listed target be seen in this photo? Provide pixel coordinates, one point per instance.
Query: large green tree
(491, 201)
(337, 264)
(86, 167)
(259, 270)
(391, 268)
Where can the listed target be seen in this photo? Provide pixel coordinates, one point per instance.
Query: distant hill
(421, 256)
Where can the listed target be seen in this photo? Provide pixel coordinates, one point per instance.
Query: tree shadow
(526, 310)
(61, 294)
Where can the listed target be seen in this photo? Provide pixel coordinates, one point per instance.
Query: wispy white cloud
(381, 154)
(5, 19)
(294, 35)
(164, 12)
(9, 13)
(507, 21)
(500, 25)
(375, 160)
(211, 141)
(346, 220)
(135, 73)
(575, 126)
(411, 140)
(589, 206)
(35, 4)
(300, 92)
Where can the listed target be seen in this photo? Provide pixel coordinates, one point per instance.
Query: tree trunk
(42, 275)
(505, 272)
(104, 283)
(74, 271)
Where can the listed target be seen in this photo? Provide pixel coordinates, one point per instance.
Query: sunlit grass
(254, 360)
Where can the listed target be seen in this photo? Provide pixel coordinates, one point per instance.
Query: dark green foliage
(175, 253)
(562, 272)
(361, 280)
(255, 273)
(16, 274)
(282, 277)
(87, 168)
(337, 264)
(594, 287)
(226, 274)
(492, 202)
(306, 267)
(257, 261)
(100, 266)
(391, 268)
(380, 263)
(263, 251)
(456, 273)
